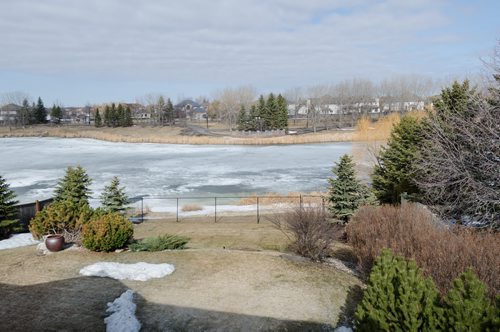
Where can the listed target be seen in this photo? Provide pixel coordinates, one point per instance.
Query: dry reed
(191, 207)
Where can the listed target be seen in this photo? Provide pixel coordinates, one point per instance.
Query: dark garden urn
(54, 242)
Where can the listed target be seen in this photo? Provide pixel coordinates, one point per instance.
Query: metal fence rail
(174, 204)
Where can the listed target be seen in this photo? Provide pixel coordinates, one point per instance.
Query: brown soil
(242, 287)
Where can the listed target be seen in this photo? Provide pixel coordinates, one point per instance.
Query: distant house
(9, 114)
(76, 115)
(191, 110)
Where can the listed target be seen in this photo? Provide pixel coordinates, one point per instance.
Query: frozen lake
(32, 166)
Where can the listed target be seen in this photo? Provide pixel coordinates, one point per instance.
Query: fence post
(300, 199)
(215, 208)
(142, 209)
(177, 210)
(258, 213)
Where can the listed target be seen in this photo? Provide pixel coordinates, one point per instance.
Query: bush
(107, 232)
(441, 252)
(62, 217)
(398, 298)
(159, 243)
(310, 233)
(467, 306)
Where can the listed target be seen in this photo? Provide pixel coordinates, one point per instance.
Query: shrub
(467, 306)
(62, 217)
(398, 298)
(311, 234)
(440, 251)
(107, 232)
(159, 243)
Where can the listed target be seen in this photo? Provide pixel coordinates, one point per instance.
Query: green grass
(159, 243)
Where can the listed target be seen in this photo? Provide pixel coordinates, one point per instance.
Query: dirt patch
(212, 288)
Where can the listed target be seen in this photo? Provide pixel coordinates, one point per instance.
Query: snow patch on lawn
(18, 240)
(139, 271)
(122, 318)
(343, 329)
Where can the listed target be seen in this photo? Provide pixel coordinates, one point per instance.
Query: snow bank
(122, 318)
(18, 240)
(138, 271)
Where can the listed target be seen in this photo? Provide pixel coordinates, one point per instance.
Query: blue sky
(78, 52)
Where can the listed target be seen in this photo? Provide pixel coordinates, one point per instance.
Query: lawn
(233, 276)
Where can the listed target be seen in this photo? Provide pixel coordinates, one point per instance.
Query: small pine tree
(8, 211)
(398, 298)
(467, 306)
(394, 174)
(56, 114)
(346, 193)
(272, 112)
(113, 114)
(262, 113)
(98, 120)
(40, 112)
(253, 118)
(74, 187)
(113, 197)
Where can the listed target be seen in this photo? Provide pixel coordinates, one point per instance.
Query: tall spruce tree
(272, 111)
(8, 211)
(113, 197)
(128, 117)
(242, 121)
(398, 298)
(113, 115)
(97, 120)
(262, 114)
(120, 116)
(282, 113)
(253, 118)
(346, 193)
(394, 173)
(74, 187)
(107, 116)
(40, 112)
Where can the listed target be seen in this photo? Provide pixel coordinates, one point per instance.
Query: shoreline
(171, 135)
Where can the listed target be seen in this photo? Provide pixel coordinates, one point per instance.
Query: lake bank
(171, 135)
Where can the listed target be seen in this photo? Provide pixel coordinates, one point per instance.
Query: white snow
(122, 318)
(343, 329)
(18, 240)
(139, 271)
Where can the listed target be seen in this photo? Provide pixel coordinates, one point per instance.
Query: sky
(77, 52)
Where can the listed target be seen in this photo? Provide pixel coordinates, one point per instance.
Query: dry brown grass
(291, 198)
(191, 207)
(442, 252)
(169, 135)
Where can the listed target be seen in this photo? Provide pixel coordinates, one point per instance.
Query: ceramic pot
(54, 242)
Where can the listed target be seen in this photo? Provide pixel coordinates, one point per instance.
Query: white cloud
(268, 43)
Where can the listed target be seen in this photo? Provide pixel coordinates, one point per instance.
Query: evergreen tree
(56, 114)
(262, 113)
(120, 116)
(113, 197)
(282, 116)
(346, 193)
(26, 116)
(467, 306)
(8, 211)
(98, 120)
(242, 121)
(128, 117)
(40, 113)
(253, 118)
(113, 115)
(107, 116)
(398, 298)
(74, 187)
(394, 173)
(271, 115)
(170, 111)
